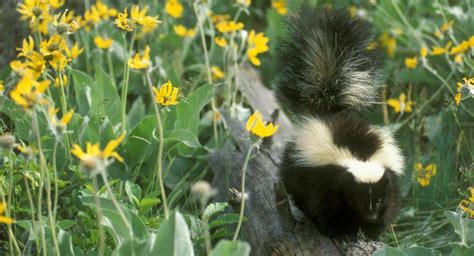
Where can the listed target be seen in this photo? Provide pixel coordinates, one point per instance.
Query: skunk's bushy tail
(325, 62)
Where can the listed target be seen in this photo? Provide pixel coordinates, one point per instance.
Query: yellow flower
(220, 41)
(389, 43)
(280, 7)
(174, 8)
(59, 61)
(140, 62)
(27, 47)
(463, 46)
(149, 24)
(256, 126)
(467, 205)
(458, 58)
(63, 81)
(137, 17)
(123, 22)
(217, 73)
(63, 121)
(423, 52)
(244, 3)
(53, 45)
(411, 62)
(65, 23)
(102, 42)
(446, 26)
(4, 219)
(467, 87)
(94, 158)
(424, 174)
(229, 26)
(401, 104)
(74, 52)
(57, 3)
(372, 46)
(33, 9)
(103, 11)
(436, 50)
(29, 92)
(2, 88)
(167, 94)
(182, 31)
(257, 44)
(217, 18)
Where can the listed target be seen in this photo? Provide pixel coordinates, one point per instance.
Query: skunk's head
(367, 199)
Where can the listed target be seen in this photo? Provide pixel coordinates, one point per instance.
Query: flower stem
(98, 206)
(126, 76)
(242, 192)
(209, 74)
(159, 157)
(42, 160)
(111, 68)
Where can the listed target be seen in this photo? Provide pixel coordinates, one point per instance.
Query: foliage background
(437, 131)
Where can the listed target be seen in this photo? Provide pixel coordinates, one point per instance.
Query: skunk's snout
(372, 217)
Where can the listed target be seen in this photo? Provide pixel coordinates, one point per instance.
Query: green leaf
(65, 224)
(172, 238)
(83, 87)
(147, 203)
(464, 227)
(131, 247)
(229, 248)
(421, 251)
(65, 243)
(136, 112)
(139, 140)
(134, 192)
(19, 117)
(460, 250)
(114, 223)
(214, 208)
(389, 251)
(225, 219)
(188, 111)
(108, 100)
(184, 136)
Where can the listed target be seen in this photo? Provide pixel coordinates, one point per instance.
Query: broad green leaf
(83, 86)
(214, 208)
(229, 248)
(147, 203)
(65, 224)
(464, 227)
(65, 243)
(134, 192)
(421, 251)
(131, 247)
(460, 250)
(114, 223)
(108, 100)
(136, 113)
(225, 219)
(139, 140)
(389, 251)
(188, 111)
(172, 238)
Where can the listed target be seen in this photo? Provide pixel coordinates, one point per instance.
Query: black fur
(313, 58)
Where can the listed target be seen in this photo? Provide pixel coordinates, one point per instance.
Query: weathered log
(273, 227)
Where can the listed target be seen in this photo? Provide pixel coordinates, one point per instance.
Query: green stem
(209, 73)
(42, 161)
(32, 207)
(98, 206)
(159, 157)
(242, 192)
(116, 204)
(126, 76)
(11, 235)
(111, 68)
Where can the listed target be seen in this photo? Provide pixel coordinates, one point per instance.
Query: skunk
(341, 172)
